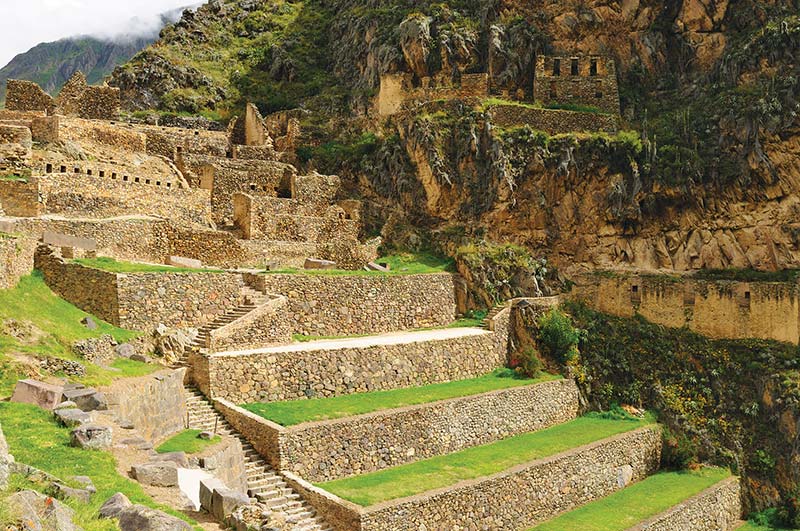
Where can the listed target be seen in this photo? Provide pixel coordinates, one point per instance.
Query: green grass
(60, 322)
(113, 266)
(442, 471)
(400, 264)
(36, 440)
(187, 441)
(295, 412)
(748, 275)
(632, 505)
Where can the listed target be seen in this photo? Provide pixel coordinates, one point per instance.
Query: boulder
(89, 323)
(206, 435)
(180, 261)
(374, 266)
(137, 442)
(125, 350)
(224, 501)
(41, 394)
(72, 417)
(141, 518)
(172, 343)
(87, 483)
(91, 437)
(157, 473)
(179, 458)
(64, 492)
(41, 512)
(207, 488)
(313, 263)
(86, 399)
(114, 506)
(6, 460)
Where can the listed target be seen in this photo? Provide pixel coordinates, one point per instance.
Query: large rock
(114, 506)
(224, 501)
(65, 492)
(141, 518)
(159, 473)
(44, 395)
(179, 458)
(207, 488)
(172, 343)
(313, 263)
(86, 399)
(72, 417)
(40, 512)
(91, 437)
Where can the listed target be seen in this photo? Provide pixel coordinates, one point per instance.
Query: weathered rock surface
(92, 437)
(41, 512)
(6, 459)
(72, 417)
(141, 518)
(158, 473)
(114, 506)
(44, 395)
(224, 501)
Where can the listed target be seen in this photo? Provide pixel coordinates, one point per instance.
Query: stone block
(180, 261)
(224, 501)
(179, 458)
(72, 418)
(44, 395)
(141, 518)
(159, 473)
(313, 263)
(86, 399)
(126, 350)
(207, 488)
(41, 512)
(64, 492)
(8, 227)
(91, 437)
(114, 506)
(89, 323)
(65, 240)
(373, 266)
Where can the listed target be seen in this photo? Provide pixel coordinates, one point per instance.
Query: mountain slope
(51, 64)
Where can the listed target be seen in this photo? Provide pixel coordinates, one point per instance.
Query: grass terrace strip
(402, 264)
(113, 266)
(480, 461)
(188, 441)
(293, 412)
(639, 502)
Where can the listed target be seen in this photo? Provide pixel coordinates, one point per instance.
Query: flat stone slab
(41, 394)
(313, 263)
(91, 437)
(180, 261)
(159, 473)
(86, 399)
(73, 417)
(65, 240)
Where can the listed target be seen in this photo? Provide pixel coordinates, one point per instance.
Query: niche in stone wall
(286, 188)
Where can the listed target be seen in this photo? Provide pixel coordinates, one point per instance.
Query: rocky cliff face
(710, 87)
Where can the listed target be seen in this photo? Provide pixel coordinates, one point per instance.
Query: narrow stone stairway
(252, 299)
(263, 482)
(492, 314)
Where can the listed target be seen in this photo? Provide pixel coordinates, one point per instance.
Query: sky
(26, 23)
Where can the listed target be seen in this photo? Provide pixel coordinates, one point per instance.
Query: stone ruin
(76, 99)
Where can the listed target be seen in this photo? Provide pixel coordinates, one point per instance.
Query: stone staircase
(263, 482)
(251, 298)
(487, 321)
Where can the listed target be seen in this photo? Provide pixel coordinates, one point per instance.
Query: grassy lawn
(59, 325)
(36, 440)
(113, 266)
(632, 505)
(298, 411)
(187, 441)
(399, 264)
(441, 471)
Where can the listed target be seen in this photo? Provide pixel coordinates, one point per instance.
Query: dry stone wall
(225, 461)
(154, 404)
(397, 90)
(515, 499)
(16, 259)
(577, 79)
(717, 309)
(328, 450)
(552, 121)
(16, 142)
(343, 305)
(297, 373)
(264, 326)
(716, 509)
(175, 299)
(27, 96)
(20, 198)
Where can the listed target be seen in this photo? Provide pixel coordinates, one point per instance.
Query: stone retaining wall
(328, 450)
(716, 509)
(16, 259)
(515, 499)
(290, 375)
(343, 305)
(20, 197)
(264, 326)
(141, 301)
(175, 299)
(225, 461)
(155, 404)
(553, 121)
(716, 309)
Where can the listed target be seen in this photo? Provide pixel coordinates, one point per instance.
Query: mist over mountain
(51, 64)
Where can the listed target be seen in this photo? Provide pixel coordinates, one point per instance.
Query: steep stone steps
(251, 298)
(487, 321)
(263, 482)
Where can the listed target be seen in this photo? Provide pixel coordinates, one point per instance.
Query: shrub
(678, 452)
(558, 338)
(527, 363)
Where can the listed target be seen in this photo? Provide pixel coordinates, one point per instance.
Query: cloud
(26, 23)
